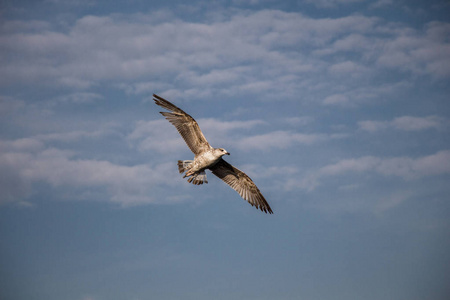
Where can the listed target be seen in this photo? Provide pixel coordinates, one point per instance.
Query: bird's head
(222, 151)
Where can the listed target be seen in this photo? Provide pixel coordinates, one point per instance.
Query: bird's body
(207, 157)
(206, 160)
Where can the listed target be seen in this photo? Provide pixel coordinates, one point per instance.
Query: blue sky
(338, 110)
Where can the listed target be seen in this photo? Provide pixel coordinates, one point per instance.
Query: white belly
(204, 161)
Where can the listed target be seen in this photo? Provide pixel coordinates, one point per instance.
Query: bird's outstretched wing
(242, 184)
(185, 124)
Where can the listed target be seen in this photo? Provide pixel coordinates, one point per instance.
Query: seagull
(207, 157)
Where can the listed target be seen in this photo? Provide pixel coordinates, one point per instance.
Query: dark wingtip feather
(167, 105)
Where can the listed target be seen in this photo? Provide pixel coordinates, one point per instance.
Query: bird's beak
(228, 153)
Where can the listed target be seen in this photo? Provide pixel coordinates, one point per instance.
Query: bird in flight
(207, 157)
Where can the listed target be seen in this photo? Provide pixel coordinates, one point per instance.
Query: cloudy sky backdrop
(338, 109)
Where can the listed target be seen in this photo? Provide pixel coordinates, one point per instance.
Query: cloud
(158, 135)
(406, 123)
(391, 201)
(406, 168)
(419, 52)
(381, 4)
(337, 99)
(394, 46)
(25, 163)
(225, 126)
(298, 121)
(72, 3)
(277, 140)
(416, 123)
(88, 297)
(71, 136)
(268, 53)
(346, 68)
(161, 136)
(355, 96)
(249, 2)
(79, 98)
(331, 3)
(409, 168)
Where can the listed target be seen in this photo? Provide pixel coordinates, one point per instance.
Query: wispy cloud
(268, 54)
(337, 99)
(419, 52)
(275, 52)
(331, 3)
(406, 123)
(29, 162)
(79, 98)
(365, 94)
(156, 135)
(381, 4)
(74, 136)
(391, 201)
(161, 136)
(277, 140)
(407, 168)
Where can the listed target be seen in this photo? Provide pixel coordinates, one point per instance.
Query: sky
(337, 109)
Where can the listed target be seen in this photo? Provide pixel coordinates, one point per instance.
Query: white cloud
(416, 123)
(396, 47)
(331, 3)
(419, 52)
(357, 95)
(88, 297)
(27, 162)
(249, 2)
(161, 136)
(347, 68)
(72, 2)
(337, 99)
(406, 168)
(21, 145)
(391, 201)
(354, 42)
(299, 121)
(79, 98)
(225, 126)
(266, 52)
(373, 126)
(31, 161)
(406, 123)
(381, 4)
(409, 168)
(277, 140)
(158, 135)
(71, 136)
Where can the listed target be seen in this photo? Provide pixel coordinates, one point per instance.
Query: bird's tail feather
(198, 179)
(194, 178)
(183, 165)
